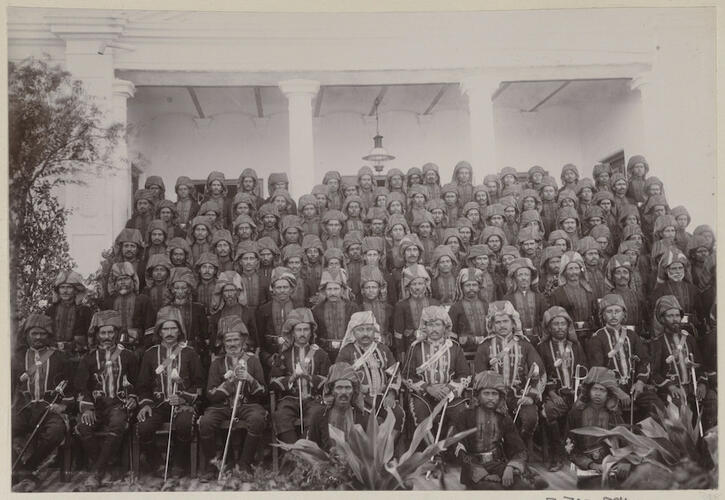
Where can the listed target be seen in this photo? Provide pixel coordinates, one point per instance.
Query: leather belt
(335, 344)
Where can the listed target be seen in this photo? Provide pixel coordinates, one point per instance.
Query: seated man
(508, 352)
(297, 375)
(494, 457)
(37, 373)
(105, 383)
(677, 368)
(435, 367)
(170, 379)
(375, 366)
(342, 390)
(236, 370)
(563, 359)
(599, 406)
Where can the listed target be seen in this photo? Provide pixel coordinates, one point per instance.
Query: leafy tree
(56, 135)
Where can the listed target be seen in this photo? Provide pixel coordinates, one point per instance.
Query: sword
(694, 393)
(578, 379)
(533, 372)
(387, 388)
(229, 432)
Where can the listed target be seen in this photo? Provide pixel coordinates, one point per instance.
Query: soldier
(181, 285)
(575, 294)
(373, 292)
(342, 390)
(563, 359)
(37, 373)
(333, 313)
(105, 382)
(230, 299)
(494, 457)
(170, 379)
(136, 311)
(527, 300)
(255, 284)
(468, 312)
(236, 369)
(297, 375)
(677, 368)
(375, 365)
(415, 293)
(271, 316)
(599, 406)
(621, 350)
(435, 367)
(508, 352)
(71, 318)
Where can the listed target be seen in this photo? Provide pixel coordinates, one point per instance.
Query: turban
(292, 250)
(118, 270)
(267, 243)
(557, 312)
(394, 220)
(440, 252)
(169, 313)
(614, 263)
(573, 258)
(503, 307)
(157, 260)
(267, 209)
(609, 300)
(465, 275)
(663, 304)
(225, 279)
(433, 313)
(105, 318)
(341, 371)
(222, 235)
(37, 321)
(671, 256)
(372, 273)
(182, 274)
(359, 319)
(289, 222)
(604, 377)
(376, 213)
(411, 273)
(410, 240)
(294, 318)
(245, 247)
(312, 241)
(282, 273)
(489, 380)
(232, 324)
(70, 278)
(524, 263)
(207, 258)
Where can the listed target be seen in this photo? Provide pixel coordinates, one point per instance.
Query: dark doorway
(616, 162)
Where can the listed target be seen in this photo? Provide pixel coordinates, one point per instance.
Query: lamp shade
(378, 153)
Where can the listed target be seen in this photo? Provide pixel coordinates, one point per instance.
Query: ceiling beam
(258, 100)
(378, 100)
(552, 94)
(437, 98)
(195, 99)
(318, 102)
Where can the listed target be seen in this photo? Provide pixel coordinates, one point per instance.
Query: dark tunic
(70, 320)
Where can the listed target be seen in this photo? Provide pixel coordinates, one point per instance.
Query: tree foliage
(56, 134)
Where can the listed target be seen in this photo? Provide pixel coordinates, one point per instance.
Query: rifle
(533, 372)
(387, 388)
(632, 357)
(694, 393)
(58, 392)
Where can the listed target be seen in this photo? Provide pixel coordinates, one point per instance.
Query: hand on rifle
(389, 400)
(701, 391)
(88, 417)
(145, 412)
(637, 389)
(130, 403)
(241, 373)
(677, 394)
(526, 400)
(176, 400)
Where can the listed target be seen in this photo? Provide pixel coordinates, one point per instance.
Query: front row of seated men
(513, 381)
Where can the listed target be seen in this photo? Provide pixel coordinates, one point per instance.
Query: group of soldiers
(522, 305)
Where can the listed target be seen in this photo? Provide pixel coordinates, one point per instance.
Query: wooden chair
(164, 431)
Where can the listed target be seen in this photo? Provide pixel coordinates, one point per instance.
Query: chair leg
(135, 452)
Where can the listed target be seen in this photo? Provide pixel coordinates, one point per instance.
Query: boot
(180, 459)
(251, 443)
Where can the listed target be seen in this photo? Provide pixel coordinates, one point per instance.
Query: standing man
(36, 372)
(509, 353)
(235, 368)
(468, 312)
(170, 379)
(71, 318)
(105, 382)
(333, 313)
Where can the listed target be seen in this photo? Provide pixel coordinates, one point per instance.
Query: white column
(96, 204)
(121, 181)
(651, 124)
(301, 146)
(480, 89)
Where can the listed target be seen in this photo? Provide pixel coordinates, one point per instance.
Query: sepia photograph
(361, 251)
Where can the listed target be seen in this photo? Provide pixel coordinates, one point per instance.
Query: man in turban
(71, 318)
(525, 297)
(136, 310)
(235, 368)
(468, 312)
(105, 381)
(494, 457)
(435, 367)
(622, 351)
(377, 369)
(508, 352)
(272, 315)
(35, 374)
(575, 294)
(298, 375)
(333, 313)
(342, 390)
(230, 299)
(599, 406)
(563, 359)
(170, 379)
(676, 361)
(415, 293)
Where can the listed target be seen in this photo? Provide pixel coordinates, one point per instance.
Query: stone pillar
(100, 204)
(301, 146)
(121, 180)
(651, 124)
(480, 89)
